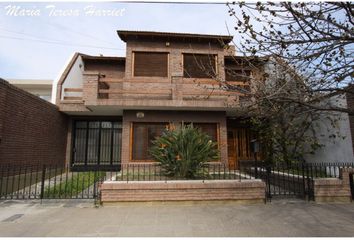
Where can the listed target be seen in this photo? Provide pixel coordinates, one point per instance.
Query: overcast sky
(21, 57)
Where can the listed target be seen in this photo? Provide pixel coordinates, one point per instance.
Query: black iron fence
(48, 182)
(63, 182)
(60, 182)
(293, 178)
(154, 172)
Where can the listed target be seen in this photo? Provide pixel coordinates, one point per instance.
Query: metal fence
(154, 172)
(293, 178)
(60, 182)
(48, 182)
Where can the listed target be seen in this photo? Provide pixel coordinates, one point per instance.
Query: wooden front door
(238, 146)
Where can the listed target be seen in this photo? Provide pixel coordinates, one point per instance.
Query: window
(237, 75)
(208, 128)
(199, 65)
(143, 135)
(150, 64)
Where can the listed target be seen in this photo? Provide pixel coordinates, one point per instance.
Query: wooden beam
(133, 91)
(72, 98)
(72, 89)
(212, 93)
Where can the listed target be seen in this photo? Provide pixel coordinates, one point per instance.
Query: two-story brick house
(118, 105)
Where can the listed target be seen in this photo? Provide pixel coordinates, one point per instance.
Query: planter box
(183, 190)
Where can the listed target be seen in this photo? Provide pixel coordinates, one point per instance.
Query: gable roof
(188, 37)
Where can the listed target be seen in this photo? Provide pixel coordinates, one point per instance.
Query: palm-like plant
(181, 151)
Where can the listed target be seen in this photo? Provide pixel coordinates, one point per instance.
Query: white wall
(338, 149)
(74, 78)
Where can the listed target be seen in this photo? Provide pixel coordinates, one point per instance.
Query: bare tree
(315, 39)
(306, 55)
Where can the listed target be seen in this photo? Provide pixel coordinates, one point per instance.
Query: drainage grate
(13, 218)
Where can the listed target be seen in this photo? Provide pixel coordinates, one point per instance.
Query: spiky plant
(182, 150)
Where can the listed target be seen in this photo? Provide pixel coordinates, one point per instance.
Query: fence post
(269, 170)
(308, 181)
(256, 166)
(42, 183)
(303, 179)
(311, 185)
(94, 184)
(351, 184)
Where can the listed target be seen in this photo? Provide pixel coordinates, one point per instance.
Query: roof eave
(222, 38)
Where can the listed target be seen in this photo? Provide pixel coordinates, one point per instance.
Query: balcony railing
(154, 92)
(177, 89)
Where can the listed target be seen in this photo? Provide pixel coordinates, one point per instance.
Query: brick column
(177, 86)
(90, 87)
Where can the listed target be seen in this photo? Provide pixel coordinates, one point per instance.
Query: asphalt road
(284, 218)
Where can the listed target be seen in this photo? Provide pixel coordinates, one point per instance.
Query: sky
(25, 51)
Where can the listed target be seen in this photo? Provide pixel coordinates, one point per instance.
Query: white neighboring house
(333, 130)
(38, 87)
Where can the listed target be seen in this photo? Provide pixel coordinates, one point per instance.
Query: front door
(238, 143)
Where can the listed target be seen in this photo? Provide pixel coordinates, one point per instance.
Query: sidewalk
(80, 218)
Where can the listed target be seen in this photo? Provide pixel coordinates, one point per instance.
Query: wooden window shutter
(150, 64)
(199, 65)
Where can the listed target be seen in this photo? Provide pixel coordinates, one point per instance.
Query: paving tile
(279, 218)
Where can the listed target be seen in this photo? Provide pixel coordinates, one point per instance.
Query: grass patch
(72, 185)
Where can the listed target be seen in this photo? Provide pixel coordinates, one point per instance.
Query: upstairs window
(150, 64)
(199, 65)
(237, 75)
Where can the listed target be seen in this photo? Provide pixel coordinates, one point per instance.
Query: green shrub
(181, 151)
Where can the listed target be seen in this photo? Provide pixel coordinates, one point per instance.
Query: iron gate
(295, 179)
(96, 145)
(290, 180)
(286, 180)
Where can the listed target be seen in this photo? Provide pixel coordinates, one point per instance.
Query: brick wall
(175, 50)
(189, 190)
(109, 68)
(334, 189)
(32, 130)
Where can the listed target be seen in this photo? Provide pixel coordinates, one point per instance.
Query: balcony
(152, 93)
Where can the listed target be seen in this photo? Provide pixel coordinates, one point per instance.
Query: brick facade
(32, 130)
(109, 86)
(129, 116)
(175, 50)
(116, 81)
